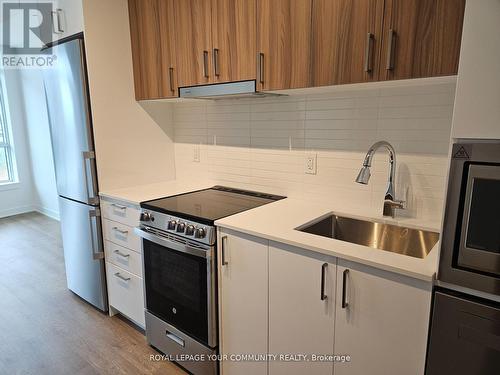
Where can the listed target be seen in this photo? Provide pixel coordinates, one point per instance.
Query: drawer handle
(175, 339)
(119, 206)
(122, 277)
(118, 252)
(121, 231)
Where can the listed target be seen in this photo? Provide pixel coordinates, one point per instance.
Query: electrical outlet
(311, 164)
(196, 154)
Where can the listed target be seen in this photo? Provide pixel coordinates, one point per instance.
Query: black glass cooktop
(209, 205)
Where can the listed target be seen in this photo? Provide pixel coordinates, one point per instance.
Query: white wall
(477, 103)
(45, 198)
(261, 144)
(131, 148)
(37, 189)
(17, 198)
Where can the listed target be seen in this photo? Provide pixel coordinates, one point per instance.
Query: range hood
(241, 89)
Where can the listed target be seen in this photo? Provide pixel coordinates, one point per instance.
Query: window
(7, 163)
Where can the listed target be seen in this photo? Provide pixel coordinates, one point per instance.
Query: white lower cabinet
(272, 302)
(383, 327)
(125, 293)
(243, 298)
(301, 311)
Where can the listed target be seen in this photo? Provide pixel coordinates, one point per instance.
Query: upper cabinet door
(151, 46)
(234, 40)
(283, 44)
(421, 38)
(346, 41)
(193, 42)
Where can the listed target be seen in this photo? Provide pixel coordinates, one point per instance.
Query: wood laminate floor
(45, 328)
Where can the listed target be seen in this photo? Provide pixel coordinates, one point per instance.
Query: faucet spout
(390, 203)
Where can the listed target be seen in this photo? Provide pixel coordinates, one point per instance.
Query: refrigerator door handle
(96, 234)
(92, 199)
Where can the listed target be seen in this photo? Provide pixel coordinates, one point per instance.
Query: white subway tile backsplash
(261, 143)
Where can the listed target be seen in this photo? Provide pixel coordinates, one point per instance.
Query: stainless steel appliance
(240, 89)
(70, 121)
(465, 327)
(180, 270)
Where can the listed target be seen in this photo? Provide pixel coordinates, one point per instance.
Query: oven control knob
(190, 230)
(200, 233)
(181, 226)
(146, 216)
(171, 225)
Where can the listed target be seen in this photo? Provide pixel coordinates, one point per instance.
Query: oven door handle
(177, 246)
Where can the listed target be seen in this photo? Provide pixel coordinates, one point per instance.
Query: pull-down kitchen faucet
(390, 203)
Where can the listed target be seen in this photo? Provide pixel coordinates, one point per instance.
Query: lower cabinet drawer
(124, 258)
(121, 234)
(125, 293)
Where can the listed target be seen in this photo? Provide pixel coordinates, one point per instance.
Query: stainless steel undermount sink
(407, 241)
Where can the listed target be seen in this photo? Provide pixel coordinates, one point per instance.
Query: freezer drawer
(465, 337)
(82, 243)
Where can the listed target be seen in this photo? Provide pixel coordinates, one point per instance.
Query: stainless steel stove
(180, 272)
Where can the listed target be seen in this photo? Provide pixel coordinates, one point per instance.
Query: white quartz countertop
(137, 194)
(277, 222)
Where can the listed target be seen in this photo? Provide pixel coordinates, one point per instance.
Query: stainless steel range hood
(241, 89)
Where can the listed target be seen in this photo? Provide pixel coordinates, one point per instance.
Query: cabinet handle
(121, 231)
(344, 282)
(261, 67)
(390, 50)
(369, 53)
(216, 62)
(205, 64)
(118, 252)
(171, 78)
(122, 277)
(324, 266)
(223, 251)
(118, 206)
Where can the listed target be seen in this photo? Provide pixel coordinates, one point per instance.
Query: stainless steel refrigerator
(68, 106)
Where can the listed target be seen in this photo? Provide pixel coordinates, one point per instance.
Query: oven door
(479, 247)
(179, 281)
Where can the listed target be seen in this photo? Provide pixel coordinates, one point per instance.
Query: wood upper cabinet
(421, 38)
(151, 28)
(346, 41)
(234, 35)
(283, 44)
(193, 41)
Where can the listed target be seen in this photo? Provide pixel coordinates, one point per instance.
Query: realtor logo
(26, 27)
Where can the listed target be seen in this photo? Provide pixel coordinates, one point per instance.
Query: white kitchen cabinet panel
(121, 212)
(67, 18)
(125, 293)
(477, 101)
(301, 311)
(243, 300)
(124, 258)
(121, 234)
(384, 326)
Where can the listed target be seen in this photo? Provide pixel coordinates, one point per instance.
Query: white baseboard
(16, 211)
(48, 212)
